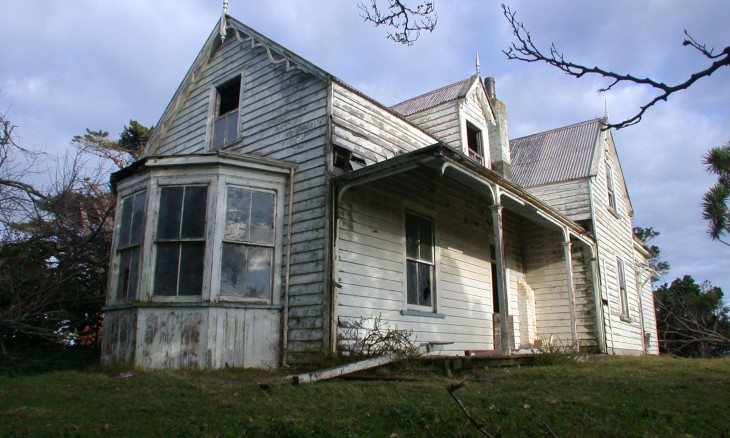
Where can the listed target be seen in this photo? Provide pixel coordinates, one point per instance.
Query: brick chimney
(498, 136)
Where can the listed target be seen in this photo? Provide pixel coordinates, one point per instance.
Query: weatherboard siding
(371, 262)
(615, 241)
(441, 121)
(571, 198)
(369, 130)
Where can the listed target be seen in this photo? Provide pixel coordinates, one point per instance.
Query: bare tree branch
(408, 21)
(526, 50)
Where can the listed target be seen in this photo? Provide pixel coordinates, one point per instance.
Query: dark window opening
(474, 143)
(225, 126)
(343, 161)
(587, 224)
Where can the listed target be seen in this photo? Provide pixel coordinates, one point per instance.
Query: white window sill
(425, 314)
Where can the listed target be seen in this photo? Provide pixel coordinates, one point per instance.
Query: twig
(549, 430)
(451, 389)
(526, 50)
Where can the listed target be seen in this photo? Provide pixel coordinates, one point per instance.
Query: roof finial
(222, 31)
(479, 67)
(605, 109)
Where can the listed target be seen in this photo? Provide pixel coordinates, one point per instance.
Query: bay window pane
(258, 273)
(168, 222)
(233, 269)
(166, 268)
(238, 205)
(262, 217)
(191, 268)
(125, 223)
(135, 237)
(133, 278)
(124, 273)
(193, 213)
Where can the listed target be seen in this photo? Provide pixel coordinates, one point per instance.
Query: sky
(68, 66)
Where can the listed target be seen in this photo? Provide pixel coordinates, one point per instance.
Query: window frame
(132, 193)
(434, 295)
(214, 116)
(622, 289)
(611, 187)
(275, 245)
(478, 155)
(156, 242)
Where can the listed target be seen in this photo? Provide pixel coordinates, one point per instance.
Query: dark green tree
(54, 253)
(715, 202)
(692, 319)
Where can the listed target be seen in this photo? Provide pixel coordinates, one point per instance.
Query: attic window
(225, 125)
(474, 143)
(610, 186)
(343, 160)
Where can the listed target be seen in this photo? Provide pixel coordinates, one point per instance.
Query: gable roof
(560, 154)
(277, 54)
(432, 98)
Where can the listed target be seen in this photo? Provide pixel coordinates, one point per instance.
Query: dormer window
(474, 143)
(225, 125)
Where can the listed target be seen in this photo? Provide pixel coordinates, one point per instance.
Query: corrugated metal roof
(430, 99)
(558, 155)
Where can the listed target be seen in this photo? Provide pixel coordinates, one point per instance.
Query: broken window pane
(424, 284)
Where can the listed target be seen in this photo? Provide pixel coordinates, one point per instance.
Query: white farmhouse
(274, 205)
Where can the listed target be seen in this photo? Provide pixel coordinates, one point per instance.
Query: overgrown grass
(612, 397)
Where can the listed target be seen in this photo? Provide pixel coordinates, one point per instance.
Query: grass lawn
(646, 396)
